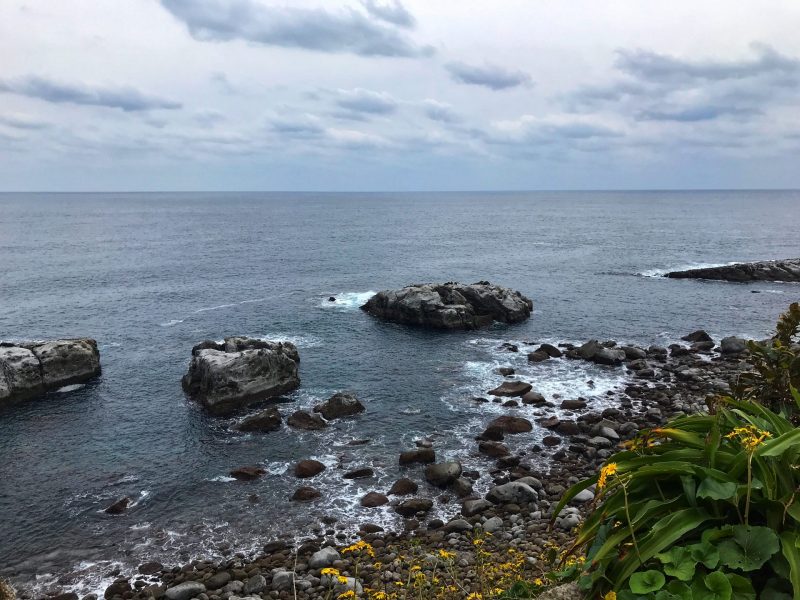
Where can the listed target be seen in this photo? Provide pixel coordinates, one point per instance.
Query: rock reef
(224, 376)
(30, 369)
(771, 270)
(450, 306)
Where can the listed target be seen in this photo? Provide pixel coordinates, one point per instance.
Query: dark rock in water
(308, 468)
(119, 507)
(493, 449)
(403, 487)
(575, 404)
(302, 419)
(30, 369)
(358, 442)
(492, 433)
(450, 305)
(702, 346)
(409, 508)
(305, 494)
(247, 473)
(243, 371)
(150, 568)
(264, 421)
(420, 455)
(697, 336)
(332, 299)
(371, 528)
(678, 350)
(374, 499)
(339, 405)
(505, 371)
(118, 588)
(508, 424)
(461, 487)
(509, 347)
(511, 388)
(217, 580)
(633, 353)
(567, 428)
(538, 356)
(442, 474)
(773, 270)
(511, 404)
(64, 596)
(732, 345)
(601, 354)
(550, 350)
(364, 473)
(185, 590)
(532, 398)
(551, 440)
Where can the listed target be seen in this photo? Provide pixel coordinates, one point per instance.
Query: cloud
(297, 126)
(208, 117)
(366, 101)
(347, 31)
(490, 76)
(19, 121)
(125, 98)
(439, 111)
(692, 114)
(530, 130)
(391, 11)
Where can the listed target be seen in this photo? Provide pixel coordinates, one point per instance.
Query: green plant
(704, 508)
(775, 378)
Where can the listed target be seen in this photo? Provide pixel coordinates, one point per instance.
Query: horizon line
(421, 191)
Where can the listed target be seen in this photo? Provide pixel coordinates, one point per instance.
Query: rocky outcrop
(771, 270)
(450, 305)
(31, 369)
(228, 375)
(339, 405)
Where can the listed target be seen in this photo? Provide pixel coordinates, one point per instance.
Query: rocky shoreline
(516, 511)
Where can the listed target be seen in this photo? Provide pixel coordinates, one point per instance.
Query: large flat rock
(772, 270)
(225, 376)
(30, 369)
(450, 306)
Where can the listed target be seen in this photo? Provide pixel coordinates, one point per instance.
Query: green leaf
(678, 563)
(716, 490)
(679, 590)
(645, 582)
(741, 587)
(779, 445)
(714, 586)
(789, 541)
(749, 548)
(705, 553)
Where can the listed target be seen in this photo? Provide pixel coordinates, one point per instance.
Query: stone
(419, 455)
(512, 492)
(493, 524)
(509, 424)
(409, 508)
(450, 306)
(282, 580)
(301, 419)
(308, 468)
(263, 421)
(532, 398)
(305, 494)
(550, 350)
(583, 496)
(511, 388)
(505, 371)
(574, 404)
(255, 584)
(150, 568)
(340, 405)
(442, 474)
(609, 356)
(118, 588)
(492, 433)
(239, 371)
(538, 356)
(457, 526)
(324, 558)
(461, 487)
(470, 508)
(247, 473)
(732, 345)
(568, 428)
(403, 487)
(697, 336)
(30, 369)
(185, 590)
(119, 507)
(551, 441)
(374, 499)
(218, 580)
(493, 449)
(634, 353)
(364, 473)
(773, 270)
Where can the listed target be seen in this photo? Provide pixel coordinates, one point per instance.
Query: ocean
(150, 275)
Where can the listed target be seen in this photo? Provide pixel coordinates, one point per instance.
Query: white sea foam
(346, 300)
(684, 267)
(70, 388)
(222, 478)
(172, 322)
(302, 341)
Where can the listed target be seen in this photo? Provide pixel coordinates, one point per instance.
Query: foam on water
(70, 388)
(347, 300)
(683, 267)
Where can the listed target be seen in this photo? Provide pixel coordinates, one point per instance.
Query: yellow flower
(475, 596)
(538, 581)
(446, 555)
(607, 470)
(750, 437)
(477, 542)
(416, 568)
(330, 571)
(360, 545)
(610, 596)
(342, 579)
(399, 583)
(347, 594)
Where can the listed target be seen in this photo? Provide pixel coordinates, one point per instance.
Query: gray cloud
(126, 98)
(366, 101)
(22, 122)
(691, 114)
(310, 29)
(391, 11)
(302, 127)
(490, 76)
(439, 111)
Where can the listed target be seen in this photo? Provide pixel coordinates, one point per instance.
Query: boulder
(773, 270)
(403, 487)
(732, 345)
(609, 356)
(532, 398)
(305, 494)
(308, 468)
(374, 499)
(538, 356)
(450, 306)
(511, 388)
(263, 421)
(363, 473)
(419, 455)
(119, 507)
(509, 424)
(301, 419)
(30, 369)
(493, 449)
(442, 474)
(409, 508)
(513, 492)
(247, 473)
(242, 371)
(471, 508)
(323, 558)
(339, 405)
(697, 336)
(550, 350)
(185, 590)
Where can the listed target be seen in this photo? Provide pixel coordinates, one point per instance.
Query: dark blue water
(149, 275)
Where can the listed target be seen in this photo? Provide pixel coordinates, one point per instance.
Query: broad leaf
(705, 553)
(791, 553)
(645, 582)
(749, 548)
(716, 490)
(678, 563)
(714, 586)
(741, 587)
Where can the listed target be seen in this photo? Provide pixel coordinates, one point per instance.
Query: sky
(398, 95)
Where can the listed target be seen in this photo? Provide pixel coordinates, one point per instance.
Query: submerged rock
(30, 369)
(511, 388)
(225, 376)
(119, 507)
(771, 270)
(301, 419)
(339, 405)
(450, 305)
(263, 421)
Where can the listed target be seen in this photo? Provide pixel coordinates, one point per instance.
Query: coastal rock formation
(225, 376)
(339, 405)
(31, 369)
(450, 305)
(768, 270)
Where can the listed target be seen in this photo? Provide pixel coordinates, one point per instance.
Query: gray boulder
(442, 474)
(513, 492)
(323, 558)
(31, 369)
(450, 305)
(185, 591)
(773, 270)
(339, 405)
(732, 345)
(226, 376)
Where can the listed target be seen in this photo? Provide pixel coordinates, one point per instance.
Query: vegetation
(6, 591)
(707, 507)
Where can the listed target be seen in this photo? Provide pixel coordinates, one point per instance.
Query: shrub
(6, 591)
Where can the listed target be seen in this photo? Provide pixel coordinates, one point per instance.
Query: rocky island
(227, 375)
(31, 369)
(771, 270)
(450, 306)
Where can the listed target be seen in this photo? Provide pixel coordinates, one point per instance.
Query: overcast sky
(390, 95)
